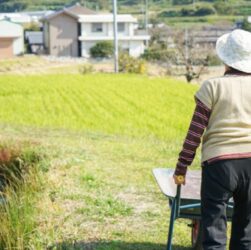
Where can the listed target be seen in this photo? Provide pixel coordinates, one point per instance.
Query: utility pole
(115, 34)
(146, 20)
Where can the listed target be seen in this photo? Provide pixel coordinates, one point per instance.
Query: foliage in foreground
(20, 171)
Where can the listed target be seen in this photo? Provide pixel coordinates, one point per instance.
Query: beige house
(11, 39)
(61, 31)
(75, 30)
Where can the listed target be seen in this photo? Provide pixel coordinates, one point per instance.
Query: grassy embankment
(104, 134)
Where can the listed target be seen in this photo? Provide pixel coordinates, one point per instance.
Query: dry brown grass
(31, 64)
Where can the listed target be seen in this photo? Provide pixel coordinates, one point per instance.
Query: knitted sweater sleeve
(192, 141)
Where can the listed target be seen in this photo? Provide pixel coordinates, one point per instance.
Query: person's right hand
(179, 179)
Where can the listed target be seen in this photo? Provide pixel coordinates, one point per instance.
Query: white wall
(86, 46)
(18, 46)
(107, 30)
(135, 48)
(9, 29)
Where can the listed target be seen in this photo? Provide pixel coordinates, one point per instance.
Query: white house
(99, 27)
(11, 39)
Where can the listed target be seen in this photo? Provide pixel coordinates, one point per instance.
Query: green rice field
(123, 104)
(103, 134)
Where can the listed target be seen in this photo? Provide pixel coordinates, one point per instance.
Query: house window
(121, 27)
(97, 27)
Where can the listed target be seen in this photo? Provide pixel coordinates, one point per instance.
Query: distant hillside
(172, 12)
(220, 5)
(18, 5)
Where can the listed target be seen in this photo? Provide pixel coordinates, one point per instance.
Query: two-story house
(61, 31)
(74, 30)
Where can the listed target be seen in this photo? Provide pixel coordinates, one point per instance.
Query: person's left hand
(179, 179)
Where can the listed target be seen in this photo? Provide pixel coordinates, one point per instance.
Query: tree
(101, 4)
(13, 5)
(246, 25)
(190, 56)
(102, 49)
(224, 8)
(178, 49)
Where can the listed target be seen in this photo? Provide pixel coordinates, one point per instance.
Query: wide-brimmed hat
(234, 49)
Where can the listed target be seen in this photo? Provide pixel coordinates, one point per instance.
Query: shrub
(128, 64)
(159, 55)
(246, 25)
(243, 10)
(213, 60)
(189, 11)
(11, 6)
(224, 8)
(170, 13)
(86, 69)
(181, 2)
(204, 11)
(32, 27)
(102, 49)
(198, 11)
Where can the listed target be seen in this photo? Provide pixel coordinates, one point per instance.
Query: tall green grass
(21, 175)
(122, 104)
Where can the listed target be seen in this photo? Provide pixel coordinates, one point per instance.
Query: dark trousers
(220, 181)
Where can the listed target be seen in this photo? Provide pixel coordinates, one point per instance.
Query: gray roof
(34, 37)
(73, 11)
(77, 9)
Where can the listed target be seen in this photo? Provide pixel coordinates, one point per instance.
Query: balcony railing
(140, 33)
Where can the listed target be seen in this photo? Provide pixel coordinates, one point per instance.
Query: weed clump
(86, 69)
(15, 163)
(20, 184)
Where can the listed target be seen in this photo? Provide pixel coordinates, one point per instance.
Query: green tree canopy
(246, 25)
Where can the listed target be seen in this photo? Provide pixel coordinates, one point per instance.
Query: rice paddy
(123, 104)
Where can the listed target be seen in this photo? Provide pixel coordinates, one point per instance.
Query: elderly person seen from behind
(222, 118)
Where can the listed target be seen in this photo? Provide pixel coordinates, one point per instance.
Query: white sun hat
(234, 49)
